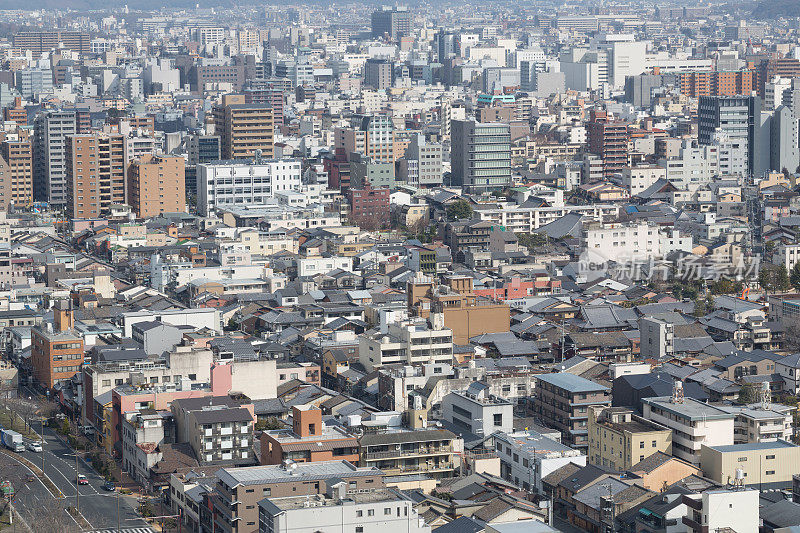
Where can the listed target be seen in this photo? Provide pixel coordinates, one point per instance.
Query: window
(641, 444)
(498, 419)
(742, 459)
(370, 512)
(359, 513)
(387, 511)
(770, 472)
(359, 529)
(654, 444)
(770, 457)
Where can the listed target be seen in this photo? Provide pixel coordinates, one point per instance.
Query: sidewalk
(18, 425)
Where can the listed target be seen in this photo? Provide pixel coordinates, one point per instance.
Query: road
(36, 505)
(96, 504)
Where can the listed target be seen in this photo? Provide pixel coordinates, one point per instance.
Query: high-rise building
(18, 155)
(201, 149)
(244, 128)
(734, 117)
(96, 166)
(784, 150)
(44, 41)
(608, 139)
(480, 155)
(268, 92)
(394, 22)
(716, 83)
(378, 74)
(369, 135)
(155, 185)
(51, 130)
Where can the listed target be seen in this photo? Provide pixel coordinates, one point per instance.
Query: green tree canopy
(459, 210)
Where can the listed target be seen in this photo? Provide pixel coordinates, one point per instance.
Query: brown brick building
(18, 154)
(238, 490)
(309, 441)
(56, 349)
(608, 139)
(156, 185)
(44, 41)
(96, 166)
(465, 313)
(243, 128)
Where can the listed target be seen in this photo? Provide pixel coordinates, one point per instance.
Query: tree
(794, 277)
(531, 240)
(748, 394)
(726, 286)
(703, 306)
(782, 281)
(459, 210)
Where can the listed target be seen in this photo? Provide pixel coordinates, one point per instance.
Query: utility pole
(77, 478)
(118, 517)
(43, 443)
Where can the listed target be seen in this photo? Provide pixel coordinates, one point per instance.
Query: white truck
(12, 440)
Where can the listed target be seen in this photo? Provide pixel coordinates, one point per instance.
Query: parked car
(35, 447)
(82, 480)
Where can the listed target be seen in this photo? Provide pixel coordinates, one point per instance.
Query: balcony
(392, 454)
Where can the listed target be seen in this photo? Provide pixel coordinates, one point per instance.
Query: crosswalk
(125, 530)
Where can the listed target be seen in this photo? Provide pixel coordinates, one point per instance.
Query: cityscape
(400, 268)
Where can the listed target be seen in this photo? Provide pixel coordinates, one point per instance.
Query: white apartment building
(527, 456)
(338, 510)
(787, 255)
(408, 343)
(754, 423)
(623, 242)
(477, 411)
(693, 424)
(310, 266)
(723, 510)
(638, 179)
(227, 183)
(526, 219)
(694, 167)
(672, 240)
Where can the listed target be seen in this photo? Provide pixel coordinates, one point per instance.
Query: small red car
(82, 480)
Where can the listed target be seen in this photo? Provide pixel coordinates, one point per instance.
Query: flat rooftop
(321, 500)
(259, 475)
(754, 446)
(571, 382)
(538, 444)
(690, 408)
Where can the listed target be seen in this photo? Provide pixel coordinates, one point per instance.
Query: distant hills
(772, 9)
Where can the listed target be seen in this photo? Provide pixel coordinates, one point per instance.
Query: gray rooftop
(753, 446)
(259, 475)
(690, 408)
(571, 382)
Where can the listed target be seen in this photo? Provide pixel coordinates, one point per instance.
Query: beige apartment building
(766, 465)
(244, 129)
(619, 439)
(156, 185)
(95, 173)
